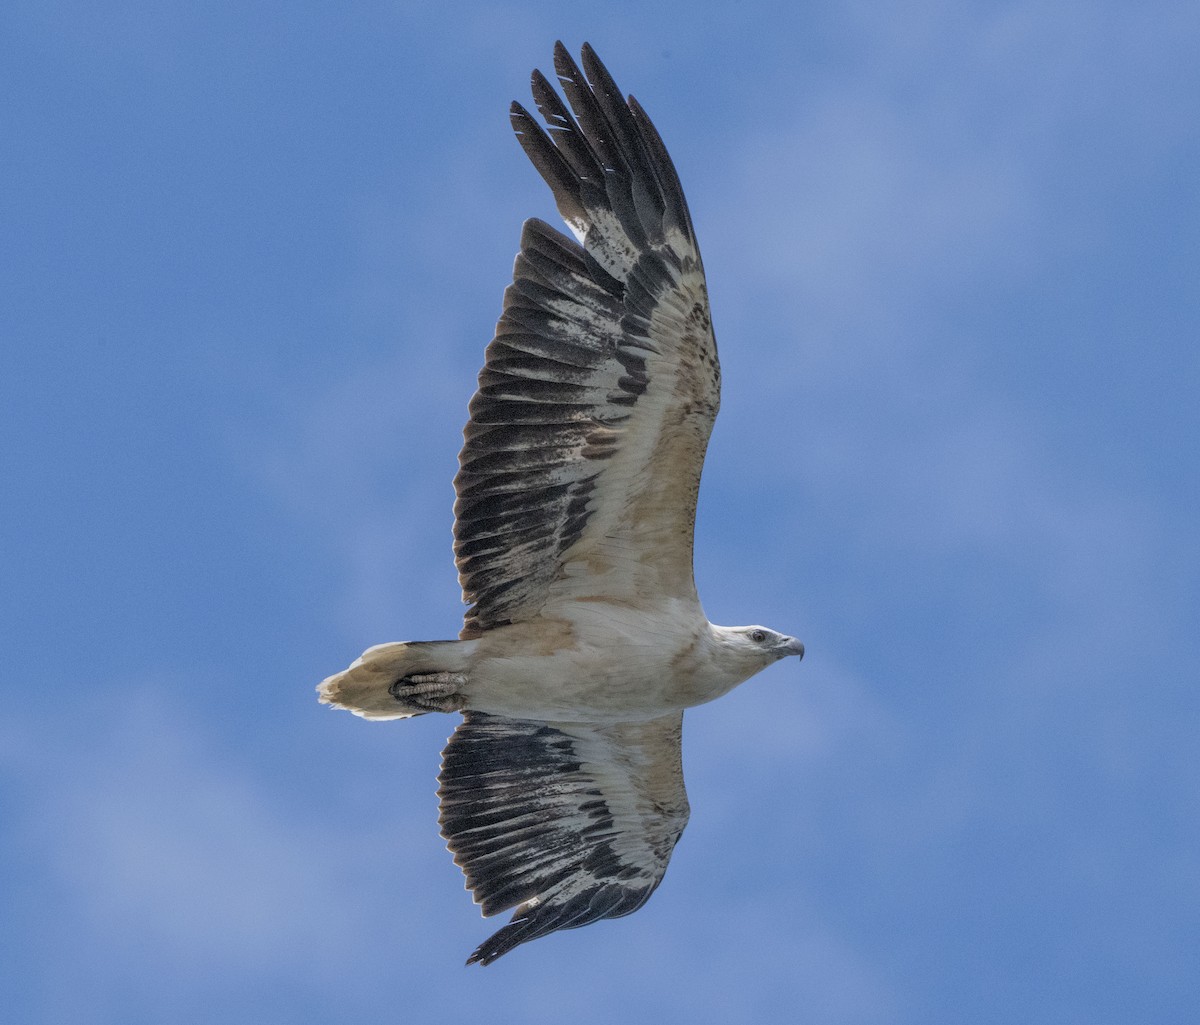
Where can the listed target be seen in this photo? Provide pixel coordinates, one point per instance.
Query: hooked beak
(793, 647)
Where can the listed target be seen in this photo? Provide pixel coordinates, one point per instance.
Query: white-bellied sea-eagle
(562, 789)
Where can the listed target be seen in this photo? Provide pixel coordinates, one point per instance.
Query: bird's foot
(431, 692)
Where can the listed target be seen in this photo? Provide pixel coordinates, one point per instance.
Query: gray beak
(793, 647)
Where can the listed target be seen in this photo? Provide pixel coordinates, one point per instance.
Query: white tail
(366, 687)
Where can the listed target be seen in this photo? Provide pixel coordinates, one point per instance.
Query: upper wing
(583, 453)
(573, 822)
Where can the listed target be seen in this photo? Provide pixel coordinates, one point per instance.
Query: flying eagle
(562, 789)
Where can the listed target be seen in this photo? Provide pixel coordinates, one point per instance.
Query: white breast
(601, 662)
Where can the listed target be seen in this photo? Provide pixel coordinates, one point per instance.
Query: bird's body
(594, 661)
(609, 663)
(562, 791)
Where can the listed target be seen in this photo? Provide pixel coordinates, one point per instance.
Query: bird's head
(756, 647)
(772, 645)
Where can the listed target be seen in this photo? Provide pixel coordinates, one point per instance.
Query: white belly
(595, 662)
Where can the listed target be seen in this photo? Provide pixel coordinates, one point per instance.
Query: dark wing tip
(516, 932)
(489, 950)
(533, 921)
(597, 74)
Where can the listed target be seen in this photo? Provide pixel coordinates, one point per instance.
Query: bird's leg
(431, 692)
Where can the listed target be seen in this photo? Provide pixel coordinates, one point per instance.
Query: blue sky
(251, 255)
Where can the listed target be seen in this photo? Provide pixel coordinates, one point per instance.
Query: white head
(751, 648)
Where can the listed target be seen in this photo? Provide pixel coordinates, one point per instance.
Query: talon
(454, 680)
(431, 692)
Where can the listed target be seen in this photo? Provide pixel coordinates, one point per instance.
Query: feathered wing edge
(561, 392)
(554, 391)
(613, 181)
(568, 822)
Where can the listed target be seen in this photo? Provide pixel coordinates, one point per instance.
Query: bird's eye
(757, 636)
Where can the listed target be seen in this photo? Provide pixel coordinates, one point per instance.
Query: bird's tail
(378, 685)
